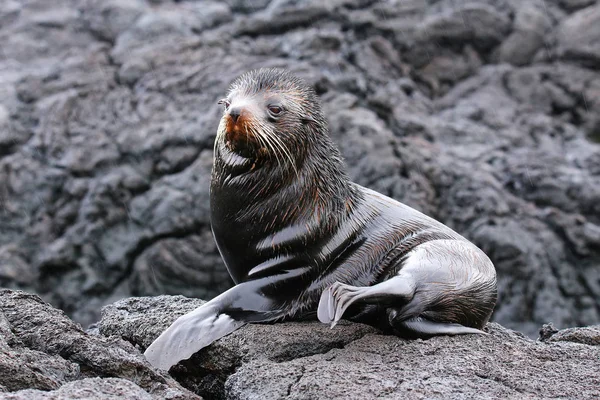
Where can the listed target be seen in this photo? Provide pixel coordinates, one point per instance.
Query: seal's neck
(259, 207)
(261, 189)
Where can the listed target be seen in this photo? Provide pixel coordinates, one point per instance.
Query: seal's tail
(190, 333)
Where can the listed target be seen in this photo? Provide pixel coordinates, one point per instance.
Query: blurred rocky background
(482, 114)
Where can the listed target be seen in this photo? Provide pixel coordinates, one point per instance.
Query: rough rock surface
(586, 335)
(44, 355)
(483, 114)
(42, 350)
(88, 389)
(309, 360)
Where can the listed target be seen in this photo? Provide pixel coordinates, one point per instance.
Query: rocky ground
(483, 114)
(44, 355)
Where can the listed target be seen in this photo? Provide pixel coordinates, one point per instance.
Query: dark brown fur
(299, 238)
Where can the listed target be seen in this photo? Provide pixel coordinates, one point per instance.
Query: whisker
(268, 143)
(264, 143)
(286, 151)
(220, 134)
(276, 152)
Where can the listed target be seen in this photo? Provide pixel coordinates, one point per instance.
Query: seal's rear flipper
(336, 299)
(422, 327)
(188, 334)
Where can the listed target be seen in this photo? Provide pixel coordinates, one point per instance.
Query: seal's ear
(307, 120)
(225, 102)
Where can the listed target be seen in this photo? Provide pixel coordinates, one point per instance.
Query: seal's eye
(225, 102)
(275, 110)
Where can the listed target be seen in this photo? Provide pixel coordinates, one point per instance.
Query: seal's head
(274, 161)
(269, 113)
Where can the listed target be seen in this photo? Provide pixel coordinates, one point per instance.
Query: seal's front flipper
(422, 327)
(222, 315)
(188, 334)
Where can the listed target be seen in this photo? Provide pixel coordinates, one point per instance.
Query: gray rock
(480, 24)
(589, 335)
(280, 19)
(112, 17)
(247, 6)
(44, 355)
(42, 349)
(530, 30)
(579, 36)
(23, 368)
(8, 137)
(461, 367)
(308, 360)
(89, 389)
(575, 4)
(140, 320)
(183, 266)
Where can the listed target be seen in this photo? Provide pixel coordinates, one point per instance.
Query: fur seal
(299, 238)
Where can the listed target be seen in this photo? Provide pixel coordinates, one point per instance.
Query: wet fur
(290, 226)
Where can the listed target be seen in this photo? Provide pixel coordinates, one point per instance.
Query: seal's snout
(235, 113)
(237, 118)
(238, 125)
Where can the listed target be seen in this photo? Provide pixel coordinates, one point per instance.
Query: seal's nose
(234, 113)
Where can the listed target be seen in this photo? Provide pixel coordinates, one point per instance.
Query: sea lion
(299, 238)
